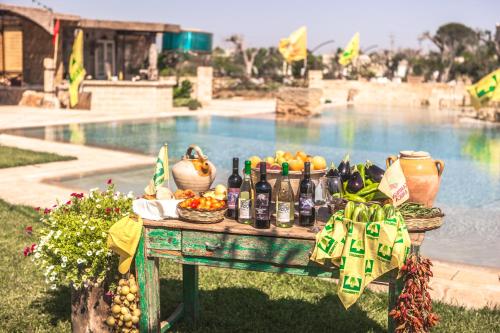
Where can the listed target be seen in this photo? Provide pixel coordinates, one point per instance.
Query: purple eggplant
(374, 172)
(355, 183)
(345, 168)
(333, 172)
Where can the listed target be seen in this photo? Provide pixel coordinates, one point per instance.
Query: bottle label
(262, 206)
(306, 204)
(283, 212)
(232, 197)
(244, 210)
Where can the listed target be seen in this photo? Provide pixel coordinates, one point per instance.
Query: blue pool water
(470, 188)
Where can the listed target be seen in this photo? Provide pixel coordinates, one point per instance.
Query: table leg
(149, 289)
(190, 292)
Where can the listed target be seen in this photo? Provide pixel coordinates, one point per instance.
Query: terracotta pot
(88, 310)
(196, 173)
(422, 173)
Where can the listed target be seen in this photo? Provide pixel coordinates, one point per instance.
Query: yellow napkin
(363, 251)
(123, 238)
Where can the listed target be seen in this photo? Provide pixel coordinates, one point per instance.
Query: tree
(452, 39)
(248, 54)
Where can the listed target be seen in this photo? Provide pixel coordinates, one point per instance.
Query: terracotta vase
(196, 173)
(88, 310)
(422, 173)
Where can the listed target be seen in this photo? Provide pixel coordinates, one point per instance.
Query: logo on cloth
(327, 244)
(352, 284)
(373, 230)
(399, 237)
(391, 221)
(342, 262)
(357, 248)
(369, 267)
(384, 252)
(350, 227)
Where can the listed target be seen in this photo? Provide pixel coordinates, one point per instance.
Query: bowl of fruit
(295, 164)
(202, 210)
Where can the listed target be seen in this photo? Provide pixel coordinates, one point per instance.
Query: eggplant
(355, 183)
(374, 172)
(333, 172)
(345, 168)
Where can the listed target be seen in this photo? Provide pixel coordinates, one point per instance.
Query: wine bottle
(233, 191)
(307, 213)
(263, 194)
(284, 200)
(245, 200)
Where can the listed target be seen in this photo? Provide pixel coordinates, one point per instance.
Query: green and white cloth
(362, 251)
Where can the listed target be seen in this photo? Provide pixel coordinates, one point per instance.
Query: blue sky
(263, 23)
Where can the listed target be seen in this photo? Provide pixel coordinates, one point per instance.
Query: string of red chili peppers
(413, 311)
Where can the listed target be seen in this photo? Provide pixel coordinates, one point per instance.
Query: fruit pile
(360, 182)
(203, 203)
(295, 162)
(219, 193)
(125, 311)
(363, 213)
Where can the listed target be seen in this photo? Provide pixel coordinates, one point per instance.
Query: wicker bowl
(421, 224)
(201, 215)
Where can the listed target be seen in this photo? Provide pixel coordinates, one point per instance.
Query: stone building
(115, 52)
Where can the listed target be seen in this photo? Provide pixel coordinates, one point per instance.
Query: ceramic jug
(196, 173)
(422, 173)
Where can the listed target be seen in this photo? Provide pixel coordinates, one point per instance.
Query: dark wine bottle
(307, 213)
(263, 195)
(233, 191)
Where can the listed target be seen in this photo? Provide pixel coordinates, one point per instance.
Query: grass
(12, 157)
(231, 301)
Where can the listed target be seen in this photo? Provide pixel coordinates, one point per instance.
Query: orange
(319, 163)
(288, 156)
(296, 164)
(301, 155)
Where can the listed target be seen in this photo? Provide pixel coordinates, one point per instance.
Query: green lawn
(231, 301)
(12, 157)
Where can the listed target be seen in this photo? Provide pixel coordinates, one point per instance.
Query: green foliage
(183, 90)
(190, 103)
(12, 157)
(72, 247)
(193, 104)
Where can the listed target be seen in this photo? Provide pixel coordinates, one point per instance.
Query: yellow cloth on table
(363, 251)
(123, 238)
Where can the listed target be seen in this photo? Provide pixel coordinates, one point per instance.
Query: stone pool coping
(38, 186)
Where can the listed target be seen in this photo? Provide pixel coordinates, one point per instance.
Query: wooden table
(227, 244)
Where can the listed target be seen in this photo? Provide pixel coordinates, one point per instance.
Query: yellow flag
(351, 51)
(294, 48)
(485, 90)
(161, 171)
(76, 69)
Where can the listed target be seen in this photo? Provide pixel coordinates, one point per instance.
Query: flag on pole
(76, 69)
(161, 173)
(56, 32)
(485, 90)
(351, 51)
(294, 48)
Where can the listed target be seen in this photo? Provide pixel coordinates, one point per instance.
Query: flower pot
(422, 173)
(88, 310)
(196, 173)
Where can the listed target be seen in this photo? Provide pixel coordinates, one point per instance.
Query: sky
(264, 22)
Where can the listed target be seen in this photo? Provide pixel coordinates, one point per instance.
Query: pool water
(470, 188)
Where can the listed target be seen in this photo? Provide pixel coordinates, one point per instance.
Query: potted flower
(73, 251)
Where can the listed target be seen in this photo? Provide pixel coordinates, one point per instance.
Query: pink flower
(28, 230)
(29, 250)
(37, 209)
(46, 211)
(68, 202)
(108, 210)
(109, 181)
(33, 247)
(117, 210)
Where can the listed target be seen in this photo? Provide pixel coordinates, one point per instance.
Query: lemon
(124, 310)
(130, 297)
(122, 282)
(116, 308)
(128, 324)
(136, 312)
(127, 317)
(117, 300)
(120, 323)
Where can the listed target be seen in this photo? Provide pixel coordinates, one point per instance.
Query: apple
(280, 160)
(275, 166)
(269, 160)
(279, 153)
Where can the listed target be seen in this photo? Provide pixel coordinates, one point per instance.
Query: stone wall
(437, 95)
(11, 95)
(128, 96)
(37, 45)
(298, 102)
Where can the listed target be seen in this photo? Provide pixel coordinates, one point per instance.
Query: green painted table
(227, 244)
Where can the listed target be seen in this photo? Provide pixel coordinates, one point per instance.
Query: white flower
(51, 267)
(91, 227)
(89, 253)
(79, 244)
(63, 265)
(130, 195)
(97, 200)
(37, 255)
(79, 261)
(78, 233)
(85, 222)
(98, 241)
(98, 206)
(52, 278)
(53, 287)
(56, 251)
(64, 258)
(94, 189)
(103, 234)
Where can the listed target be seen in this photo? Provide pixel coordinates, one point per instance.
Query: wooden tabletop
(232, 227)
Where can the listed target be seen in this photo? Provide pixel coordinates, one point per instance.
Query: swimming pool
(470, 188)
